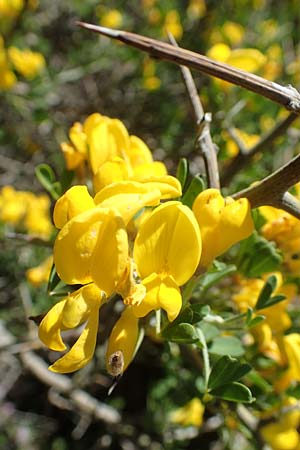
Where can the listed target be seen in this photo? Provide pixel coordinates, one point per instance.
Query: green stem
(206, 364)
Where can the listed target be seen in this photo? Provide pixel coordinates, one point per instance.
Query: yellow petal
(223, 222)
(168, 242)
(219, 52)
(110, 172)
(123, 338)
(161, 292)
(83, 349)
(49, 328)
(169, 186)
(155, 169)
(128, 197)
(72, 157)
(78, 138)
(138, 152)
(79, 305)
(119, 136)
(249, 59)
(92, 246)
(91, 121)
(99, 149)
(73, 202)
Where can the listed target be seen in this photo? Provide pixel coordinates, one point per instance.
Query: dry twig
(204, 141)
(286, 96)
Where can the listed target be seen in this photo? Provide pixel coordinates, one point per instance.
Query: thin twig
(204, 141)
(81, 399)
(286, 96)
(272, 190)
(244, 157)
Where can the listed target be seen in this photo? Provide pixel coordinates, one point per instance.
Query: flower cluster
(133, 237)
(26, 62)
(26, 212)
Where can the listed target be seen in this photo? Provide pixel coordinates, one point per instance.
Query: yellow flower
(196, 9)
(249, 59)
(283, 434)
(166, 251)
(75, 201)
(27, 63)
(248, 140)
(122, 340)
(284, 229)
(79, 307)
(111, 19)
(40, 274)
(233, 32)
(92, 246)
(189, 414)
(26, 211)
(173, 24)
(222, 222)
(267, 334)
(9, 9)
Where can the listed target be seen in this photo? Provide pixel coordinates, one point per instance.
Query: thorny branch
(286, 96)
(204, 141)
(272, 190)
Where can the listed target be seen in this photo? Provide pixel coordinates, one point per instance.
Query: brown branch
(272, 190)
(244, 157)
(286, 96)
(204, 141)
(81, 399)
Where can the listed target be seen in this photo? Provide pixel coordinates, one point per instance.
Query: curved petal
(79, 305)
(222, 222)
(169, 186)
(75, 201)
(123, 339)
(92, 246)
(155, 170)
(49, 328)
(98, 144)
(78, 137)
(73, 158)
(119, 137)
(168, 242)
(110, 172)
(83, 349)
(128, 197)
(161, 292)
(138, 152)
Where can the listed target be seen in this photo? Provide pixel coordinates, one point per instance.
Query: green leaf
(233, 392)
(182, 172)
(47, 178)
(226, 370)
(255, 321)
(199, 311)
(227, 345)
(256, 379)
(181, 333)
(53, 279)
(195, 187)
(217, 271)
(264, 299)
(209, 331)
(273, 300)
(294, 391)
(257, 256)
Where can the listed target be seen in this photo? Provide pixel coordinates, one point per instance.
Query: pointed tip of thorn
(109, 32)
